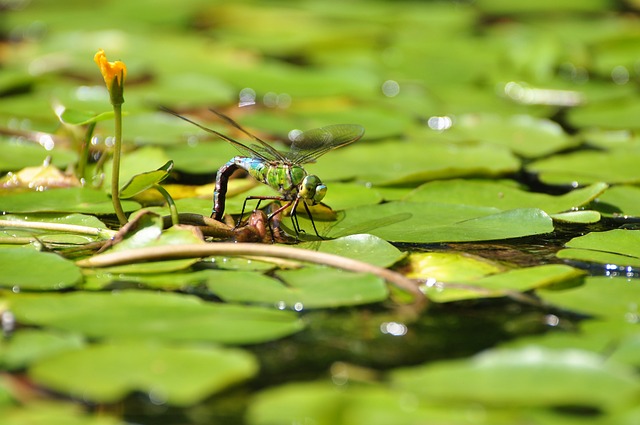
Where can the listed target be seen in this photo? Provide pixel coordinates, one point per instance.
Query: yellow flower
(114, 74)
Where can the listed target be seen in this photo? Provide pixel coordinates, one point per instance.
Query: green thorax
(285, 178)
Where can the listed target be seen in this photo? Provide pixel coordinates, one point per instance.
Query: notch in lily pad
(151, 179)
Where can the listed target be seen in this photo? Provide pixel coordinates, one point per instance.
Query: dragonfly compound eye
(312, 188)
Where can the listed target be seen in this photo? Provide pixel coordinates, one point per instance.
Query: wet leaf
(502, 196)
(432, 222)
(529, 376)
(26, 269)
(29, 345)
(141, 182)
(308, 288)
(616, 247)
(140, 315)
(71, 200)
(106, 373)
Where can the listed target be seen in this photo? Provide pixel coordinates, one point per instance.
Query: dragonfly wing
(270, 151)
(311, 144)
(252, 152)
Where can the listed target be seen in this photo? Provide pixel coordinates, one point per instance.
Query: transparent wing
(311, 144)
(263, 151)
(268, 151)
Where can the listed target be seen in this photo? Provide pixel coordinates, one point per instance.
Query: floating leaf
(502, 196)
(106, 373)
(152, 316)
(523, 134)
(29, 345)
(528, 376)
(617, 247)
(18, 155)
(364, 247)
(605, 297)
(432, 222)
(71, 200)
(26, 269)
(141, 182)
(586, 167)
(76, 117)
(503, 284)
(308, 288)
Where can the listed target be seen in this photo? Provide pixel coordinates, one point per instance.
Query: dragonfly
(282, 171)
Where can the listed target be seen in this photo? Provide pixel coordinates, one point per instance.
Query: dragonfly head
(312, 190)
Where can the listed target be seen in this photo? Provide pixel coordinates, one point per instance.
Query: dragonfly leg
(306, 207)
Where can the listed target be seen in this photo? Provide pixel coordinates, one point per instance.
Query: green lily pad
(364, 247)
(587, 167)
(70, 200)
(148, 231)
(619, 201)
(503, 284)
(605, 297)
(17, 155)
(137, 162)
(450, 266)
(432, 222)
(152, 316)
(47, 412)
(502, 196)
(29, 345)
(76, 117)
(106, 373)
(26, 269)
(308, 288)
(401, 162)
(577, 217)
(143, 181)
(523, 134)
(528, 376)
(617, 247)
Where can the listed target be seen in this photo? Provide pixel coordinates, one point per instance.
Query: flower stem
(115, 173)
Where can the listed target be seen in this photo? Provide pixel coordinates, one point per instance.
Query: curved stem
(205, 250)
(115, 173)
(175, 220)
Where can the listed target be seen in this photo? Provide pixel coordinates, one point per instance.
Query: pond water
(498, 170)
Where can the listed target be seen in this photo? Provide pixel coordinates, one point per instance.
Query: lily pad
(401, 162)
(309, 288)
(608, 298)
(29, 345)
(47, 412)
(17, 155)
(433, 222)
(143, 181)
(619, 200)
(152, 316)
(26, 269)
(71, 200)
(364, 247)
(616, 247)
(106, 373)
(587, 167)
(523, 134)
(503, 284)
(528, 376)
(502, 196)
